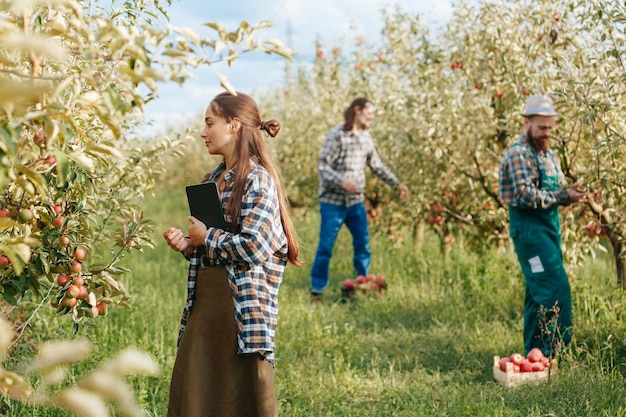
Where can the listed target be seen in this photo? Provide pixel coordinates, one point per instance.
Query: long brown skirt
(209, 378)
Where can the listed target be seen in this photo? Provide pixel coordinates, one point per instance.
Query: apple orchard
(450, 103)
(75, 82)
(75, 78)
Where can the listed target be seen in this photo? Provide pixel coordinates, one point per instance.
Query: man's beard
(538, 144)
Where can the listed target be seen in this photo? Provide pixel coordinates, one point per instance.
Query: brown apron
(209, 378)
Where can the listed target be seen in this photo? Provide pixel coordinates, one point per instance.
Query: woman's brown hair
(350, 113)
(250, 145)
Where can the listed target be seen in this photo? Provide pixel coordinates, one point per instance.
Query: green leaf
(105, 149)
(82, 159)
(34, 177)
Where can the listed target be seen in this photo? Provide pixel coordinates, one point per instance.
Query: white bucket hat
(539, 106)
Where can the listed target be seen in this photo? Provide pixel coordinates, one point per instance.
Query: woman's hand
(177, 240)
(197, 232)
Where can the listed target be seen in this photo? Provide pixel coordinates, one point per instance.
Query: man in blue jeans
(348, 149)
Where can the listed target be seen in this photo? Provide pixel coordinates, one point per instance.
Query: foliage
(424, 347)
(74, 79)
(92, 393)
(449, 104)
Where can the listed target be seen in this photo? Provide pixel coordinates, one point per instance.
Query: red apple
(95, 311)
(77, 267)
(503, 362)
(39, 138)
(4, 213)
(537, 367)
(517, 358)
(4, 261)
(82, 293)
(73, 291)
(65, 240)
(63, 279)
(546, 361)
(535, 355)
(51, 160)
(526, 366)
(79, 281)
(80, 254)
(57, 208)
(348, 284)
(102, 307)
(58, 222)
(70, 302)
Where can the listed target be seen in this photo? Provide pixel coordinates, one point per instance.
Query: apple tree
(74, 80)
(450, 103)
(593, 94)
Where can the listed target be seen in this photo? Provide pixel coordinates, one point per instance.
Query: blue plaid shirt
(255, 258)
(345, 156)
(519, 177)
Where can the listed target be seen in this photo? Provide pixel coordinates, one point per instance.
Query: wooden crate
(515, 379)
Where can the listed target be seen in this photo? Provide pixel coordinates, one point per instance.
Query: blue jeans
(333, 217)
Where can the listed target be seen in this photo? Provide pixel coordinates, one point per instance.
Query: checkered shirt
(345, 156)
(255, 259)
(519, 183)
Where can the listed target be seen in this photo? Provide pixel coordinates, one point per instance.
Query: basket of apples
(367, 284)
(516, 370)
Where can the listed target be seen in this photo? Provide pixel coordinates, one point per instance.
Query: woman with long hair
(225, 358)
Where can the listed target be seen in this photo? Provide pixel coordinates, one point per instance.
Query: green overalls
(536, 234)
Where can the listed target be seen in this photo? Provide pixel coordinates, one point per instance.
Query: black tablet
(205, 205)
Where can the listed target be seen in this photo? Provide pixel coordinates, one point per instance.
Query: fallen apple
(535, 355)
(537, 366)
(526, 366)
(348, 284)
(502, 363)
(517, 358)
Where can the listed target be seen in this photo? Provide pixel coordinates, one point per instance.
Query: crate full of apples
(516, 370)
(363, 283)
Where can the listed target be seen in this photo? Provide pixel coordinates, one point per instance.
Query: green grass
(424, 348)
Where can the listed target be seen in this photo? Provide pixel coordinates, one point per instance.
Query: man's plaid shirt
(345, 156)
(254, 257)
(519, 183)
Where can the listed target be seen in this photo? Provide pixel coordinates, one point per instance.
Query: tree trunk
(620, 262)
(418, 235)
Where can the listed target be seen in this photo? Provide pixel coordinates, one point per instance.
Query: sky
(299, 24)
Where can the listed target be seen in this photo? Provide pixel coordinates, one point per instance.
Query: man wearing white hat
(532, 184)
